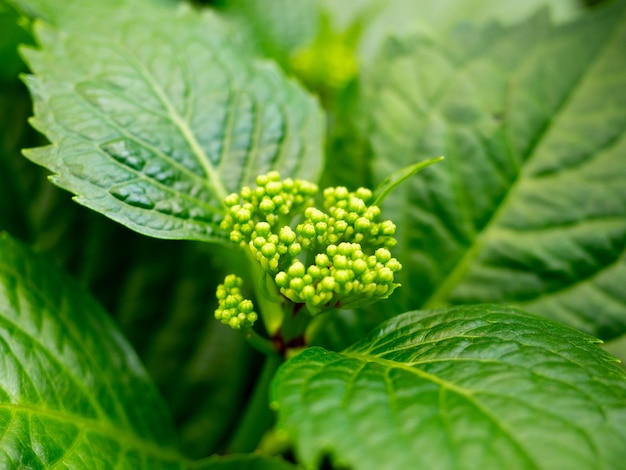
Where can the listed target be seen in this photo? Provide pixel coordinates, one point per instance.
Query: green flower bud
(296, 269)
(328, 284)
(231, 281)
(362, 224)
(340, 262)
(294, 249)
(296, 284)
(307, 292)
(267, 205)
(394, 265)
(268, 250)
(282, 279)
(383, 255)
(262, 180)
(231, 200)
(246, 193)
(359, 266)
(385, 275)
(273, 188)
(262, 229)
(364, 194)
(388, 228)
(322, 260)
(287, 236)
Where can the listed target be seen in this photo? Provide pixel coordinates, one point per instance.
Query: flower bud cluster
(270, 202)
(233, 310)
(335, 257)
(342, 276)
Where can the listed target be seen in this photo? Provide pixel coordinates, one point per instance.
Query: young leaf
(530, 205)
(72, 392)
(155, 120)
(468, 387)
(393, 181)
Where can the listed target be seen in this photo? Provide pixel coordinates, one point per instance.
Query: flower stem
(258, 417)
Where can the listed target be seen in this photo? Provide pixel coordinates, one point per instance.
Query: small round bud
(328, 284)
(273, 188)
(267, 205)
(262, 180)
(340, 262)
(287, 236)
(246, 306)
(282, 279)
(231, 281)
(294, 249)
(268, 250)
(359, 266)
(388, 228)
(262, 229)
(296, 284)
(231, 200)
(322, 260)
(364, 194)
(385, 275)
(296, 269)
(273, 176)
(383, 255)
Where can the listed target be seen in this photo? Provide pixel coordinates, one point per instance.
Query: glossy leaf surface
(476, 387)
(154, 121)
(72, 392)
(529, 206)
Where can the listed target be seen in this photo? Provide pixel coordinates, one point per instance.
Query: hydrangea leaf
(243, 461)
(460, 388)
(154, 121)
(529, 206)
(72, 392)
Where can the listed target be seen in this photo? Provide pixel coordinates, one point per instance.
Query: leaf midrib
(466, 262)
(444, 384)
(181, 124)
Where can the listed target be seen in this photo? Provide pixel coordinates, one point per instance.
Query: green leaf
(276, 27)
(394, 180)
(432, 18)
(72, 392)
(154, 121)
(465, 387)
(529, 206)
(243, 461)
(11, 34)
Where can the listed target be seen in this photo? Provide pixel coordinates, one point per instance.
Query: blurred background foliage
(162, 292)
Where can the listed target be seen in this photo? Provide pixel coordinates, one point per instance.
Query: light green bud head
(388, 228)
(294, 249)
(287, 235)
(282, 279)
(262, 180)
(246, 193)
(296, 269)
(359, 266)
(263, 229)
(340, 262)
(246, 306)
(296, 284)
(268, 250)
(364, 194)
(266, 205)
(362, 224)
(383, 255)
(273, 188)
(322, 260)
(231, 200)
